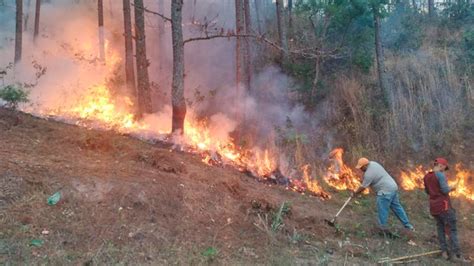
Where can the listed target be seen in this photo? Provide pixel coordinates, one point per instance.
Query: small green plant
(277, 221)
(210, 253)
(296, 237)
(13, 95)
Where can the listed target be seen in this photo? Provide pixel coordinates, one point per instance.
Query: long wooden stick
(405, 261)
(343, 206)
(411, 256)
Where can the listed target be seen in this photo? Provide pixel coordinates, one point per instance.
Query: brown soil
(128, 201)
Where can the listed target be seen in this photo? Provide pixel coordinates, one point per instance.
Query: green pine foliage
(13, 95)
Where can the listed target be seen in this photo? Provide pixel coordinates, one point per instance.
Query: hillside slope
(128, 201)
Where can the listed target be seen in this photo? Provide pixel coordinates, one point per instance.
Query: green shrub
(210, 253)
(13, 95)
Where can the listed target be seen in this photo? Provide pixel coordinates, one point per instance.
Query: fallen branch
(410, 256)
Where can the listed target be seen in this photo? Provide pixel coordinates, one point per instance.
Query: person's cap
(442, 161)
(362, 162)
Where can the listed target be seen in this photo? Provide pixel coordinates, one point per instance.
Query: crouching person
(436, 186)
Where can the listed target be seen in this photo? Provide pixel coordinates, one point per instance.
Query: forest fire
(460, 177)
(339, 175)
(103, 107)
(98, 107)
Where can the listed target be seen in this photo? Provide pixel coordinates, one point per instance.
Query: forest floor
(126, 201)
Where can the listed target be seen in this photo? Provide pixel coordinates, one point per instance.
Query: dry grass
(430, 110)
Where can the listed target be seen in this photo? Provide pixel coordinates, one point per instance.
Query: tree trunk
(317, 68)
(37, 18)
(100, 11)
(290, 15)
(431, 8)
(129, 67)
(258, 15)
(383, 83)
(268, 10)
(319, 42)
(19, 30)
(178, 100)
(161, 35)
(282, 30)
(414, 6)
(143, 82)
(239, 30)
(247, 51)
(193, 19)
(111, 10)
(27, 15)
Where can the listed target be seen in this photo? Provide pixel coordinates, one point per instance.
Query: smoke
(67, 51)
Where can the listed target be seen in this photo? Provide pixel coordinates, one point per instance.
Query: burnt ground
(131, 202)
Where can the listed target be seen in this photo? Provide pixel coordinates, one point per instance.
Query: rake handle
(343, 206)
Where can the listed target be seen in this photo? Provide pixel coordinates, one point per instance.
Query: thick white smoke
(68, 49)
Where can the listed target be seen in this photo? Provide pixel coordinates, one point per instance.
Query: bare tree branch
(318, 54)
(218, 35)
(155, 13)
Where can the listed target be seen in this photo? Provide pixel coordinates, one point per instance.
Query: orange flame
(464, 183)
(198, 138)
(313, 184)
(339, 175)
(98, 105)
(463, 180)
(412, 179)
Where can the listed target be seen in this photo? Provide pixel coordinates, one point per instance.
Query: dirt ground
(125, 201)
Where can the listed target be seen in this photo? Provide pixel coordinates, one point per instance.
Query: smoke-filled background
(61, 68)
(302, 109)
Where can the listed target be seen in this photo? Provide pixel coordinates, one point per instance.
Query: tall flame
(464, 183)
(313, 184)
(412, 179)
(339, 175)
